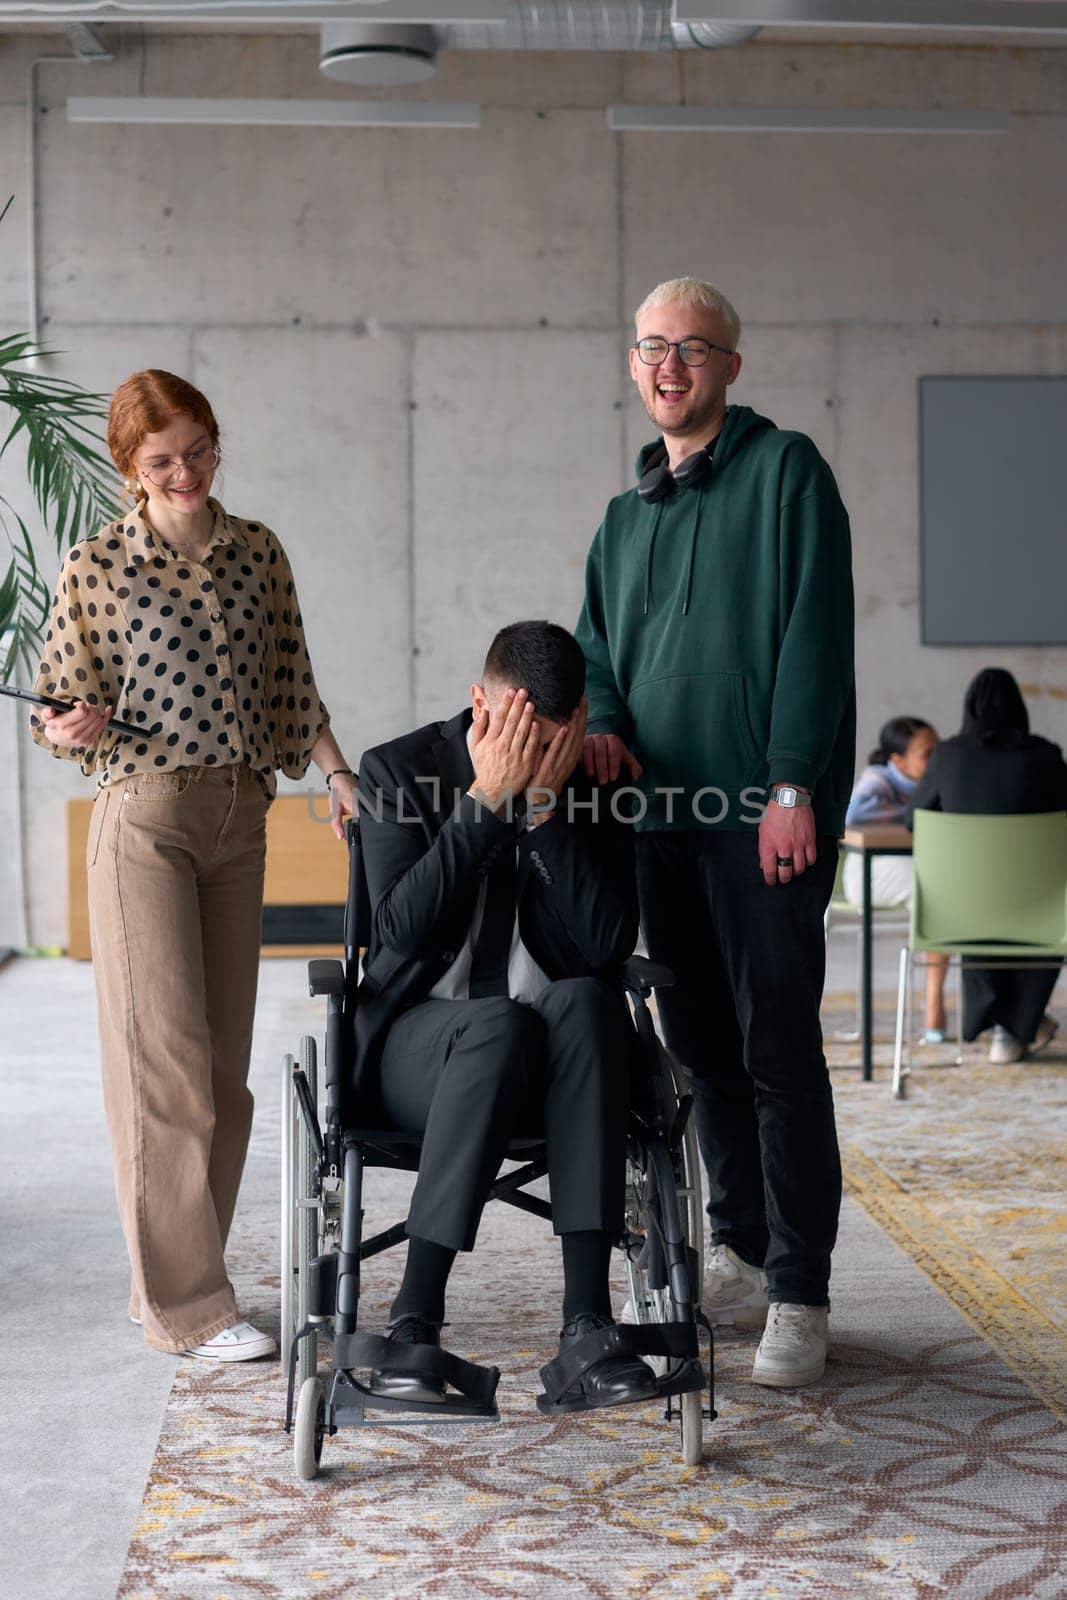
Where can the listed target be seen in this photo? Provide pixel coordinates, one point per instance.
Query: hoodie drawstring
(692, 552)
(648, 558)
(698, 500)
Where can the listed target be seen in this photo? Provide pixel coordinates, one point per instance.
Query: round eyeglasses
(205, 458)
(691, 352)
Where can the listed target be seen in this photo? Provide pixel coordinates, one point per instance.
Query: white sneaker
(793, 1349)
(240, 1342)
(1005, 1047)
(1047, 1029)
(734, 1293)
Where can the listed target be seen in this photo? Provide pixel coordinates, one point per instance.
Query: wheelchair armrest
(326, 977)
(641, 976)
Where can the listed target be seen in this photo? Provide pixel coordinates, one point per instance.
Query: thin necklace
(188, 552)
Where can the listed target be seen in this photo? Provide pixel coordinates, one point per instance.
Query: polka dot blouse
(207, 656)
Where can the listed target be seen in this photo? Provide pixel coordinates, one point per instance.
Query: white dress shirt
(525, 978)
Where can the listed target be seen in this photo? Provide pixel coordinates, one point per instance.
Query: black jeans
(1013, 997)
(470, 1075)
(743, 1022)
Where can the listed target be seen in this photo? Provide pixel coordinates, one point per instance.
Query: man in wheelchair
(502, 893)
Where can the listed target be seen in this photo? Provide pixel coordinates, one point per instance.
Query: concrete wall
(415, 340)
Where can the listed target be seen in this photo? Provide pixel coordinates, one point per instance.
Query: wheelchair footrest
(675, 1341)
(355, 1401)
(686, 1380)
(475, 1386)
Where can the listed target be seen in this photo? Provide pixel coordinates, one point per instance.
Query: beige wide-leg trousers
(175, 865)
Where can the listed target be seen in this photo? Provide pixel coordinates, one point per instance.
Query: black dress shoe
(401, 1384)
(614, 1380)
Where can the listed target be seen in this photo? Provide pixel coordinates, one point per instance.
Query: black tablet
(68, 705)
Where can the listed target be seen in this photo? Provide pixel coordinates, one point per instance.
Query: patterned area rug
(969, 1175)
(924, 1466)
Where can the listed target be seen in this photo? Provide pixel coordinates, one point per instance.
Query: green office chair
(985, 886)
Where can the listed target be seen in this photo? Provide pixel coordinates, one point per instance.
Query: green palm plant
(72, 483)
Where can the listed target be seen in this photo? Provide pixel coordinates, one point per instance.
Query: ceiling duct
(595, 25)
(87, 45)
(378, 55)
(514, 25)
(571, 25)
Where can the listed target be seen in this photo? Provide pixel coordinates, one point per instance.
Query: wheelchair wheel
(309, 1426)
(688, 1180)
(657, 1186)
(299, 1214)
(646, 1297)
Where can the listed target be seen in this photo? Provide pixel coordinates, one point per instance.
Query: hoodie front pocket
(745, 733)
(692, 732)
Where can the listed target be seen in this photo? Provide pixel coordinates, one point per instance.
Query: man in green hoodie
(718, 632)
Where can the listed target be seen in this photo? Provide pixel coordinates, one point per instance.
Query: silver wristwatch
(786, 794)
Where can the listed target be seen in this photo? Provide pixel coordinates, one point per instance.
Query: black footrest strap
(353, 1351)
(677, 1340)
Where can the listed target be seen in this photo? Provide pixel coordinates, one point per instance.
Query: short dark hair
(894, 739)
(542, 658)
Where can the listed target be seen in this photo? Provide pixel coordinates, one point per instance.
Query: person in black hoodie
(996, 767)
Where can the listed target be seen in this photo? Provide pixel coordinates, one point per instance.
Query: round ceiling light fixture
(711, 35)
(378, 55)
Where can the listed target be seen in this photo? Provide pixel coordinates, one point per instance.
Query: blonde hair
(694, 292)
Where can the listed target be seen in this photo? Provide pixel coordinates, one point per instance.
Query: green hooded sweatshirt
(718, 633)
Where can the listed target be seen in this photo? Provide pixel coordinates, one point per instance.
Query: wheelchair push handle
(357, 904)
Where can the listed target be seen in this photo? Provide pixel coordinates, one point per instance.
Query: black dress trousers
(749, 961)
(471, 1075)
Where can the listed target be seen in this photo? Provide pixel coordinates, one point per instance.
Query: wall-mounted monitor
(993, 510)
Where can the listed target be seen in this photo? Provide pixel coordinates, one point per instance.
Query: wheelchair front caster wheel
(308, 1428)
(692, 1409)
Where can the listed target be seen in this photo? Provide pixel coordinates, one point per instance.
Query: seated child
(884, 793)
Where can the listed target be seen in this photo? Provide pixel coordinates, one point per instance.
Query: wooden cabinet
(304, 890)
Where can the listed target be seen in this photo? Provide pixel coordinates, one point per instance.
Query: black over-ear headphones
(658, 481)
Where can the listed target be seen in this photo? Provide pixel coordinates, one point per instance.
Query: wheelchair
(325, 1157)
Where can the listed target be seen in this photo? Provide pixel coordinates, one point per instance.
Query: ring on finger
(785, 861)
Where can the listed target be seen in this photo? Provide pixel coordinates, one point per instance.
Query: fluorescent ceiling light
(1019, 16)
(277, 113)
(751, 119)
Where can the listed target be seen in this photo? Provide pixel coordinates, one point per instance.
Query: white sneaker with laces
(793, 1349)
(239, 1342)
(735, 1294)
(1005, 1047)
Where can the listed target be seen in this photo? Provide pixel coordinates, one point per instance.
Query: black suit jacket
(426, 847)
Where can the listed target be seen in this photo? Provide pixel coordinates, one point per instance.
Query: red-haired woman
(183, 620)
